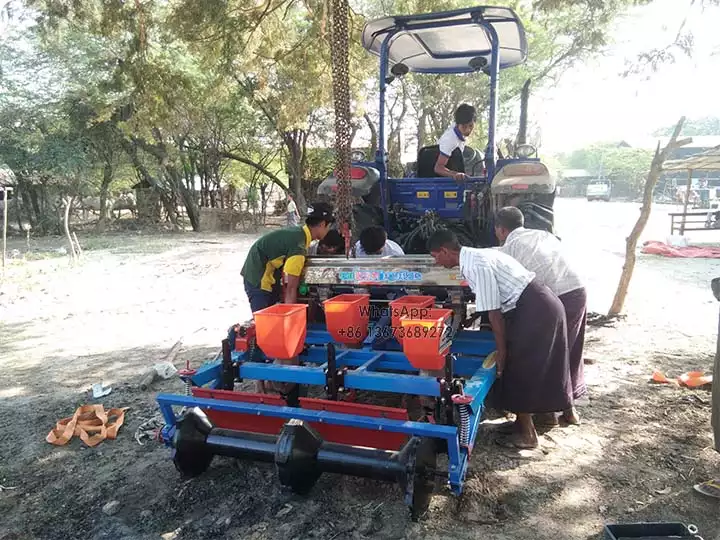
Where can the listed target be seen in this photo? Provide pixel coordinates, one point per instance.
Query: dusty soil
(635, 457)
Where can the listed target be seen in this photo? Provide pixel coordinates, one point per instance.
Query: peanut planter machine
(425, 353)
(352, 340)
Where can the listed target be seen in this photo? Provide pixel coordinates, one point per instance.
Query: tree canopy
(708, 125)
(194, 97)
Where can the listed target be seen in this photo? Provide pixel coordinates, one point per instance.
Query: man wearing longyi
(541, 253)
(528, 322)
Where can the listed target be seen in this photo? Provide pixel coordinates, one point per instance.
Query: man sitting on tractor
(374, 241)
(454, 138)
(283, 250)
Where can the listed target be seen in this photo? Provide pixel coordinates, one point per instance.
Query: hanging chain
(341, 101)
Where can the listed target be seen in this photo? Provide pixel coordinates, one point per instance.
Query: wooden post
(715, 419)
(687, 198)
(716, 394)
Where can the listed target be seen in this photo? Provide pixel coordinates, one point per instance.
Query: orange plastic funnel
(347, 317)
(426, 340)
(408, 306)
(280, 330)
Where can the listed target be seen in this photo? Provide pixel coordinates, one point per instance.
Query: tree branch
(632, 240)
(257, 166)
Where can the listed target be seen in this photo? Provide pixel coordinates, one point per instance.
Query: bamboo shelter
(705, 161)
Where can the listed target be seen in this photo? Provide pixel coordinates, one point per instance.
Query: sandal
(571, 419)
(711, 488)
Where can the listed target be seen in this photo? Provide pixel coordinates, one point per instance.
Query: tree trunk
(295, 141)
(632, 240)
(217, 179)
(66, 223)
(22, 205)
(394, 141)
(104, 187)
(168, 200)
(263, 201)
(373, 136)
(524, 98)
(18, 214)
(421, 129)
(5, 209)
(187, 197)
(36, 206)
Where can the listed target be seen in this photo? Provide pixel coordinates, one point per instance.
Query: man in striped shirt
(541, 253)
(528, 322)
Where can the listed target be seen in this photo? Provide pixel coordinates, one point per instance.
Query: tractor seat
(427, 157)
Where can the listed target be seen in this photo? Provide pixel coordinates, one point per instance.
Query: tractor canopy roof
(447, 42)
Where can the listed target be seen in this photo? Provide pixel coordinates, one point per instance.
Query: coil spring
(464, 411)
(250, 357)
(188, 387)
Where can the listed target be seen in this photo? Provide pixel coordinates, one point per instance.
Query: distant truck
(599, 190)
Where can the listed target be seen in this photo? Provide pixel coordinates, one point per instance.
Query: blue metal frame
(367, 374)
(404, 24)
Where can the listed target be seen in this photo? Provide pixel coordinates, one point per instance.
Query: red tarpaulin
(690, 252)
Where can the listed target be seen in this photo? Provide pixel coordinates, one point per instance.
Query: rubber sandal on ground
(658, 377)
(576, 421)
(695, 379)
(711, 488)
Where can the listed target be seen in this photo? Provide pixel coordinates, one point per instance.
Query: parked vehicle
(599, 190)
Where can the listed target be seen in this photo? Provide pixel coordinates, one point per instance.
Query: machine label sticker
(451, 194)
(445, 337)
(422, 194)
(375, 276)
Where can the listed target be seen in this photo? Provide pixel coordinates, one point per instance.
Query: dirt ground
(635, 458)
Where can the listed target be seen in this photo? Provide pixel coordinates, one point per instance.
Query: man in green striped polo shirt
(283, 251)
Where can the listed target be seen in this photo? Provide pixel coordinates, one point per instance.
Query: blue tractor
(480, 40)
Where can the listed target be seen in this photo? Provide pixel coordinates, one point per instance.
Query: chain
(341, 101)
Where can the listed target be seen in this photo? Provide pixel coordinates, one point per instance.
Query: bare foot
(519, 442)
(571, 416)
(526, 436)
(508, 428)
